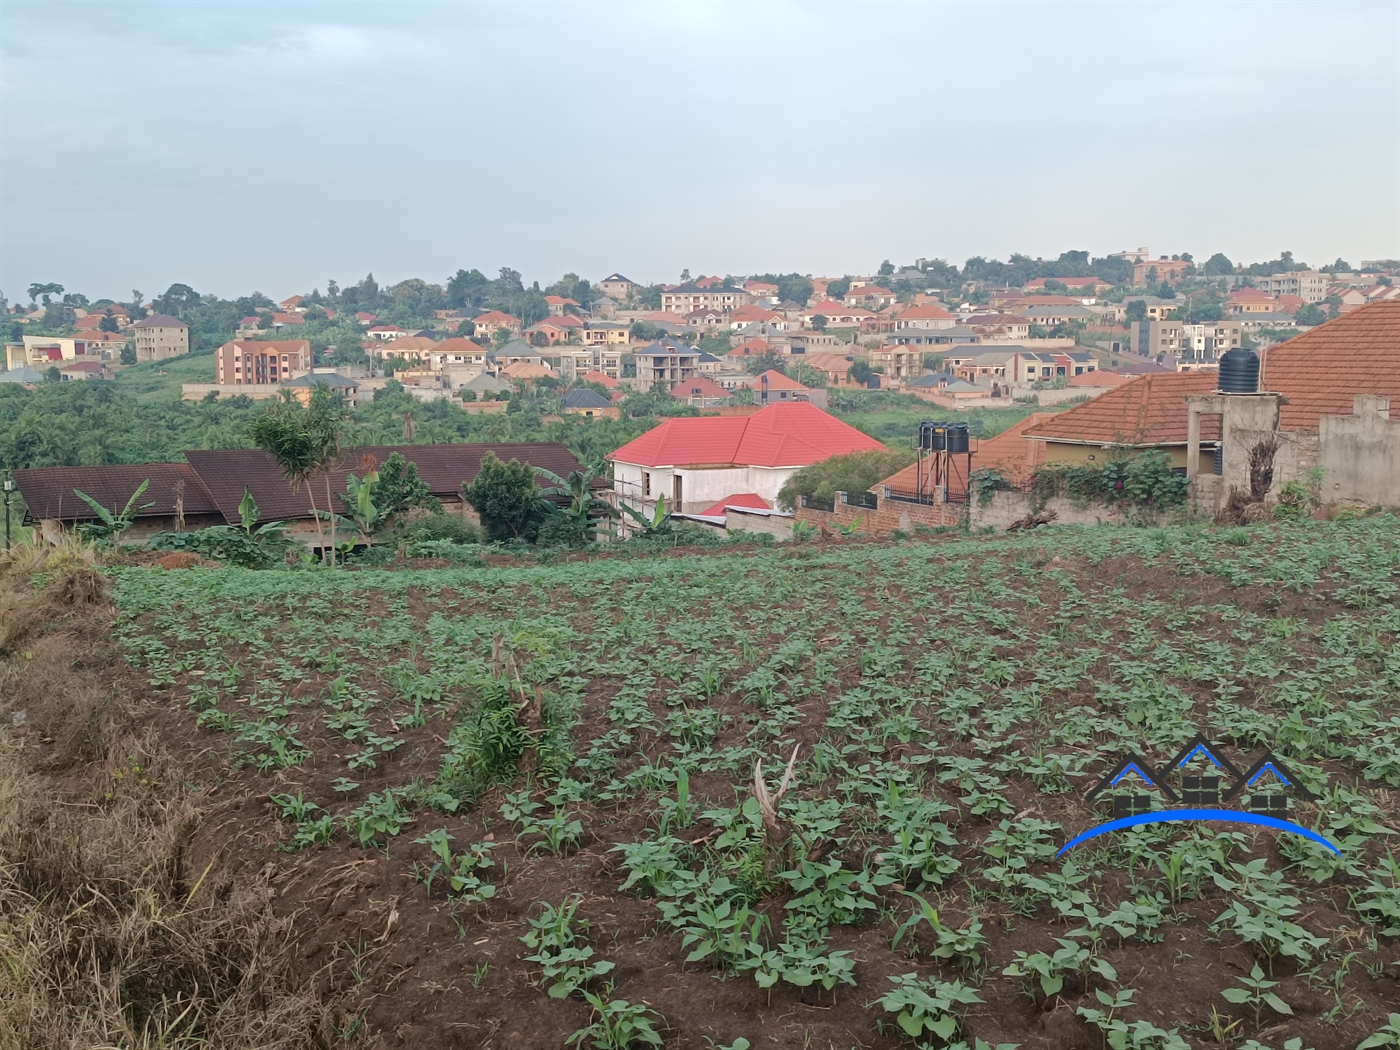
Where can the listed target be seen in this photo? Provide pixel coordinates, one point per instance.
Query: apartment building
(160, 336)
(666, 361)
(254, 362)
(687, 298)
(1308, 285)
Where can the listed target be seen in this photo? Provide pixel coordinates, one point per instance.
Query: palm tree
(305, 440)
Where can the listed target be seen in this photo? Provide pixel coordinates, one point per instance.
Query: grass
(947, 705)
(146, 381)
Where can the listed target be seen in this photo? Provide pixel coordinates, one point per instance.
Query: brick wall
(886, 516)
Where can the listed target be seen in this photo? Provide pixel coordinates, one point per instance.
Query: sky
(249, 146)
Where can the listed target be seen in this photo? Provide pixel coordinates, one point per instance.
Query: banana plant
(248, 517)
(366, 516)
(584, 507)
(658, 522)
(108, 525)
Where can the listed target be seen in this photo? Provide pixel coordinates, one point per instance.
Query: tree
(128, 354)
(861, 372)
(532, 307)
(305, 440)
(886, 268)
(1164, 291)
(1054, 287)
(507, 500)
(1310, 315)
(108, 323)
(854, 472)
(576, 523)
(46, 290)
(1217, 266)
(1136, 310)
(838, 288)
(819, 323)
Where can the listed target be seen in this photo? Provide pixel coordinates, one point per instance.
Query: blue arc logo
(1166, 816)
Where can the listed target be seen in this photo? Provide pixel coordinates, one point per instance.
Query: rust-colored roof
(774, 380)
(700, 387)
(1100, 377)
(1320, 372)
(1010, 452)
(51, 492)
(1149, 410)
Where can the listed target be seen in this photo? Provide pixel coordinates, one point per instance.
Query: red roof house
(693, 461)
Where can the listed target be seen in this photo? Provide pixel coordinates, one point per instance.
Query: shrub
(855, 472)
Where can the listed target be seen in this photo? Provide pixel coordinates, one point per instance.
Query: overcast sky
(273, 146)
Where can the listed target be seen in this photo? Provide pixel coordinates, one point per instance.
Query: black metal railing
(902, 496)
(817, 503)
(867, 500)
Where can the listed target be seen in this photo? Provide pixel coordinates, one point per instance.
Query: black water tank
(1218, 463)
(957, 438)
(1239, 372)
(933, 437)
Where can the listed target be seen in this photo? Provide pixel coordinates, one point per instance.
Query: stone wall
(1007, 507)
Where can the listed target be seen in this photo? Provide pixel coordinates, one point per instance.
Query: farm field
(517, 807)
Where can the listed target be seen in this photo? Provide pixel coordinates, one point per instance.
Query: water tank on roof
(933, 437)
(958, 438)
(1239, 372)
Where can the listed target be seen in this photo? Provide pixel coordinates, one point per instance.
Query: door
(676, 492)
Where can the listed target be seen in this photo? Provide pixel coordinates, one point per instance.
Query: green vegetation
(784, 750)
(856, 472)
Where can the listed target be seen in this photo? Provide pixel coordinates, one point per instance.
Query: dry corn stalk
(774, 829)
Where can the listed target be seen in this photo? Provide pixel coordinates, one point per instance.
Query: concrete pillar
(1193, 439)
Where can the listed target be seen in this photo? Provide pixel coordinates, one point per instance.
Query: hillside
(425, 766)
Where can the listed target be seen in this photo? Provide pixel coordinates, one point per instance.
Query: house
(487, 387)
(588, 403)
(772, 387)
(559, 305)
(1001, 325)
(22, 375)
(256, 362)
(303, 388)
(493, 321)
(763, 292)
(160, 336)
(1010, 453)
(665, 361)
(457, 352)
(835, 367)
(386, 332)
(1250, 301)
(560, 328)
(1100, 378)
(712, 295)
(708, 364)
(897, 361)
(296, 304)
(527, 371)
(84, 370)
(747, 349)
(925, 316)
(935, 336)
(1155, 309)
(1308, 285)
(761, 314)
(871, 295)
(207, 488)
(615, 286)
(705, 318)
(694, 461)
(838, 315)
(701, 392)
(1269, 783)
(1199, 768)
(1148, 412)
(943, 385)
(365, 317)
(45, 350)
(1160, 271)
(606, 333)
(603, 379)
(1050, 316)
(601, 359)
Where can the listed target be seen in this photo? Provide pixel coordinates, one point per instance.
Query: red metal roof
(787, 434)
(741, 499)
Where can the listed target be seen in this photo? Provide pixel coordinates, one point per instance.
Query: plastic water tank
(957, 438)
(1239, 372)
(933, 437)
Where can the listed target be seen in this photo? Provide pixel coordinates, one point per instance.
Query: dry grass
(103, 943)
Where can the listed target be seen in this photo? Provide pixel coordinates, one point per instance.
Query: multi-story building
(1155, 271)
(618, 287)
(254, 362)
(666, 361)
(605, 333)
(1204, 343)
(160, 336)
(687, 298)
(1308, 285)
(575, 362)
(1150, 338)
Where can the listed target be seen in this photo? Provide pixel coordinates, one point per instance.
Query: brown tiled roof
(49, 492)
(444, 467)
(1150, 410)
(1320, 372)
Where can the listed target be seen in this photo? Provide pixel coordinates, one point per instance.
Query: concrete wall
(886, 516)
(737, 519)
(1007, 507)
(1360, 455)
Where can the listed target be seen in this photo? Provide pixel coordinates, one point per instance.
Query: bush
(506, 498)
(446, 527)
(855, 472)
(226, 543)
(1144, 480)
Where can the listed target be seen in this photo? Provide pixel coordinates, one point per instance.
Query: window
(1131, 805)
(646, 483)
(1275, 804)
(676, 490)
(1200, 790)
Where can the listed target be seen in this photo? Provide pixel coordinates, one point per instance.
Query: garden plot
(519, 807)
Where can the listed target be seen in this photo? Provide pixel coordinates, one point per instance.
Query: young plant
(617, 1025)
(963, 946)
(1256, 995)
(926, 1007)
(565, 960)
(459, 869)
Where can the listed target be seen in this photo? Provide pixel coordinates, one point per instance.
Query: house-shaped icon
(1269, 783)
(1130, 784)
(1201, 768)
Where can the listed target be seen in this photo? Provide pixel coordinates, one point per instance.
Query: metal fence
(902, 496)
(867, 500)
(816, 503)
